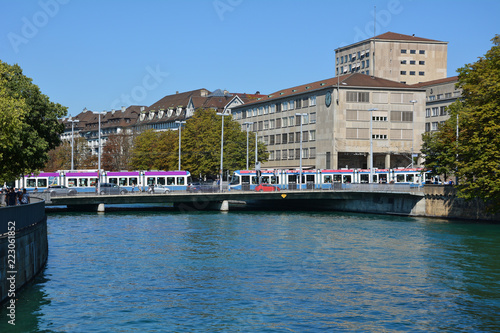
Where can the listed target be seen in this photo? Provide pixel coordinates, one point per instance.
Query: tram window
(93, 181)
(254, 180)
(71, 182)
(275, 180)
(310, 178)
(235, 180)
(347, 179)
(151, 180)
(180, 180)
(30, 182)
(265, 179)
(113, 180)
(410, 177)
(382, 178)
(160, 180)
(364, 178)
(327, 179)
(292, 178)
(123, 181)
(375, 179)
(132, 181)
(42, 182)
(400, 178)
(337, 178)
(83, 182)
(245, 179)
(170, 180)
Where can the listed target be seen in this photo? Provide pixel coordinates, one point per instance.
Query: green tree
(478, 148)
(29, 124)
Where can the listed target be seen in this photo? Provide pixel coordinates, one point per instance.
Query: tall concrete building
(396, 57)
(338, 120)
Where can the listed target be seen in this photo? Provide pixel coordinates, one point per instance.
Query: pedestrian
(133, 187)
(11, 197)
(24, 197)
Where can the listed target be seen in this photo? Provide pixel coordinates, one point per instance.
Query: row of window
(292, 154)
(434, 126)
(378, 134)
(396, 116)
(353, 56)
(355, 67)
(297, 103)
(308, 118)
(286, 138)
(421, 73)
(436, 111)
(445, 96)
(404, 51)
(412, 62)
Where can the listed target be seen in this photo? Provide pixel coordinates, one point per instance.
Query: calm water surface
(263, 272)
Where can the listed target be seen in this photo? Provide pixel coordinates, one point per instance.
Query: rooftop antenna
(374, 30)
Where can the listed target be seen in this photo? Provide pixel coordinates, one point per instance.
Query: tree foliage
(116, 153)
(29, 125)
(60, 157)
(200, 146)
(477, 152)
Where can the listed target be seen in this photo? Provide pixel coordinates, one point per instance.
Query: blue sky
(108, 53)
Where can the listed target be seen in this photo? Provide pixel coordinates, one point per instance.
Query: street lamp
(300, 158)
(221, 148)
(371, 144)
(412, 128)
(99, 154)
(72, 139)
(180, 131)
(248, 123)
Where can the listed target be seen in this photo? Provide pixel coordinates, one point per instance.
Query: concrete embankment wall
(441, 201)
(28, 239)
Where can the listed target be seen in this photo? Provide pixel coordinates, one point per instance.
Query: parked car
(59, 190)
(158, 189)
(266, 188)
(108, 188)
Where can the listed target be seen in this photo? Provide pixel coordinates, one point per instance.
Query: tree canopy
(475, 156)
(29, 125)
(200, 146)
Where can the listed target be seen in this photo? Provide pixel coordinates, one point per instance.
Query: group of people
(15, 197)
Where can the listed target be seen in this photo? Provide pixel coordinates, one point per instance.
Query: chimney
(123, 109)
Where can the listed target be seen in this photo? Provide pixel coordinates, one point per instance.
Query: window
(367, 65)
(434, 126)
(427, 127)
(447, 95)
(284, 122)
(297, 120)
(278, 122)
(271, 155)
(413, 51)
(312, 152)
(440, 96)
(403, 51)
(312, 100)
(305, 153)
(312, 135)
(427, 112)
(290, 105)
(421, 62)
(290, 137)
(290, 120)
(305, 119)
(305, 136)
(278, 107)
(284, 154)
(412, 72)
(305, 102)
(261, 125)
(290, 154)
(284, 106)
(266, 124)
(403, 62)
(435, 111)
(403, 72)
(284, 138)
(297, 153)
(255, 112)
(266, 109)
(255, 124)
(403, 116)
(271, 140)
(271, 124)
(442, 110)
(312, 117)
(432, 98)
(360, 97)
(421, 73)
(273, 108)
(421, 52)
(261, 111)
(298, 103)
(278, 155)
(412, 62)
(266, 140)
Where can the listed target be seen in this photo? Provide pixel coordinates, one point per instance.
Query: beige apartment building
(396, 57)
(334, 117)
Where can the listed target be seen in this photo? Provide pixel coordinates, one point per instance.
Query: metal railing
(22, 215)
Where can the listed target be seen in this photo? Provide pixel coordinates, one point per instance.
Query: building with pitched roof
(393, 56)
(337, 114)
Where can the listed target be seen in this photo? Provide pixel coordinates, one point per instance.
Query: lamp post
(412, 128)
(247, 123)
(371, 144)
(99, 154)
(72, 139)
(300, 158)
(221, 148)
(180, 132)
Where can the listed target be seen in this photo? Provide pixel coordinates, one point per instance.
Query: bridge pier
(101, 208)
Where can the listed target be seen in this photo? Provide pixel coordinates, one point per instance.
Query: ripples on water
(271, 272)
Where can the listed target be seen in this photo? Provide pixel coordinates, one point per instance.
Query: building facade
(396, 57)
(333, 117)
(439, 95)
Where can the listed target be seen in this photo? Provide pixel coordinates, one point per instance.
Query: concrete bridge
(366, 198)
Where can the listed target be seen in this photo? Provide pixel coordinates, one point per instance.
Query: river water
(263, 272)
